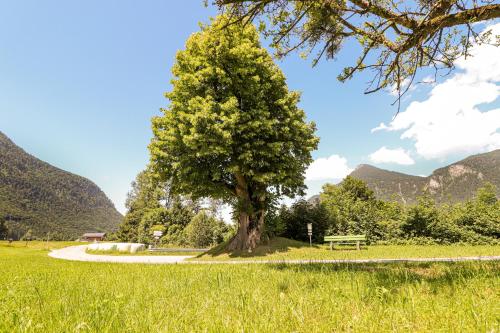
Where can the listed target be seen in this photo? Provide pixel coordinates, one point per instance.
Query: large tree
(396, 37)
(233, 130)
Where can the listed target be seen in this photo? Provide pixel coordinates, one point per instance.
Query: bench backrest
(345, 238)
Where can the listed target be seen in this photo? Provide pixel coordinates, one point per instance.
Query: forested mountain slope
(456, 182)
(38, 196)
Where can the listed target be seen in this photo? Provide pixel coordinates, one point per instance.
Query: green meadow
(42, 294)
(286, 249)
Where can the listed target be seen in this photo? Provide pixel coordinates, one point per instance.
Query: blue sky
(80, 81)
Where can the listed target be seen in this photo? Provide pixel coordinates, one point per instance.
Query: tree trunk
(249, 231)
(250, 218)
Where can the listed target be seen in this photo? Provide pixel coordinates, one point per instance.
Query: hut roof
(94, 234)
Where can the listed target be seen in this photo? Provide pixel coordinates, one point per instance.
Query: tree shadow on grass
(396, 274)
(272, 246)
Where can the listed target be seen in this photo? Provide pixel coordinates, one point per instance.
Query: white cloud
(380, 127)
(386, 155)
(449, 120)
(403, 87)
(333, 167)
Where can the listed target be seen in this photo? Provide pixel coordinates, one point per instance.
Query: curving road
(77, 253)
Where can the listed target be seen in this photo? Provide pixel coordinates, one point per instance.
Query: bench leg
(331, 246)
(357, 245)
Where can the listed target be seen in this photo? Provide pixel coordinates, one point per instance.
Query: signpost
(157, 234)
(310, 232)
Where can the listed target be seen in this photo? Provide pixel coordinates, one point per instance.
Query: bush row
(351, 208)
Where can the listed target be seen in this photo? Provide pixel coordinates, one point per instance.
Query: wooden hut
(93, 236)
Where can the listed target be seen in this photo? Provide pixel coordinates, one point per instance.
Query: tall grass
(41, 294)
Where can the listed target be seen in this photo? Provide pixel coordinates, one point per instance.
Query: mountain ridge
(452, 183)
(38, 196)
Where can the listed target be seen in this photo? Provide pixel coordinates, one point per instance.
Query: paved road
(345, 261)
(78, 253)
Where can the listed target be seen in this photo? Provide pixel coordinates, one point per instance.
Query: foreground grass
(282, 249)
(41, 294)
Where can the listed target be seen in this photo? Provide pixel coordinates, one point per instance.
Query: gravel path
(77, 253)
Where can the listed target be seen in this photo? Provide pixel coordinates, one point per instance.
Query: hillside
(36, 195)
(456, 182)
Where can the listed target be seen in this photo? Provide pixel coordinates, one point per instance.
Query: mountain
(38, 196)
(456, 182)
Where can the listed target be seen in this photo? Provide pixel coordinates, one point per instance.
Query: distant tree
(233, 130)
(396, 37)
(352, 207)
(425, 219)
(389, 217)
(215, 206)
(357, 189)
(487, 194)
(205, 230)
(274, 224)
(297, 217)
(481, 215)
(3, 230)
(146, 194)
(151, 218)
(27, 236)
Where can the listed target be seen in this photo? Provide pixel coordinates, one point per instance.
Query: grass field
(41, 294)
(282, 249)
(38, 245)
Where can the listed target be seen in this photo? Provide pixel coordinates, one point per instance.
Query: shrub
(352, 208)
(295, 220)
(205, 230)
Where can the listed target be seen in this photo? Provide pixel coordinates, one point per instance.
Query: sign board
(309, 229)
(158, 233)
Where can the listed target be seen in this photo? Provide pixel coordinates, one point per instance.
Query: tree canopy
(396, 37)
(233, 130)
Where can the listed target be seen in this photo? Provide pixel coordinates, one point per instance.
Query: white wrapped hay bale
(123, 247)
(134, 248)
(120, 247)
(107, 247)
